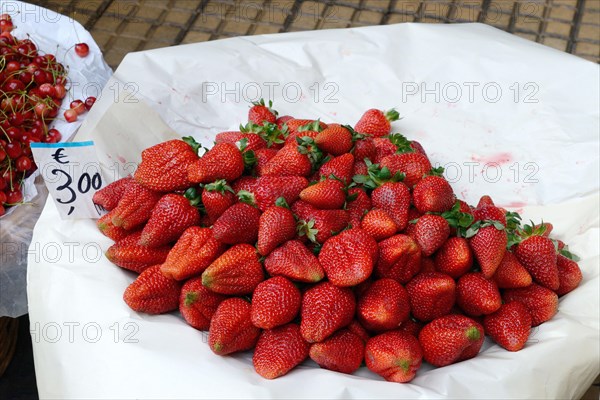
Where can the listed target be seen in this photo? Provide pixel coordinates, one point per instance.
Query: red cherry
(41, 110)
(78, 106)
(89, 102)
(61, 92)
(14, 85)
(2, 187)
(13, 133)
(82, 49)
(6, 26)
(2, 210)
(39, 76)
(47, 90)
(14, 196)
(53, 136)
(2, 195)
(23, 164)
(26, 77)
(13, 150)
(2, 157)
(16, 119)
(5, 17)
(12, 66)
(70, 115)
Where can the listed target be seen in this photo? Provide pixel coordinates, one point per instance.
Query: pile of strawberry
(33, 86)
(301, 239)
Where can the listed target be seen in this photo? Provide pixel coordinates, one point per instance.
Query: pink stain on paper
(498, 158)
(121, 159)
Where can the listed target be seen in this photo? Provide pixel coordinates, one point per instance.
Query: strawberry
(365, 148)
(195, 250)
(511, 274)
(279, 350)
(265, 190)
(128, 254)
(433, 194)
(379, 224)
(216, 198)
(356, 328)
(359, 203)
(413, 165)
(454, 257)
(325, 309)
(394, 198)
(431, 294)
(349, 257)
(376, 122)
(431, 232)
(399, 258)
(395, 355)
(164, 166)
(327, 194)
(488, 241)
(569, 275)
(289, 161)
(253, 141)
(108, 229)
(491, 213)
(231, 328)
(319, 225)
(485, 200)
(236, 272)
(476, 295)
(412, 326)
(152, 292)
(341, 167)
(276, 226)
(238, 224)
(108, 197)
(450, 339)
(223, 161)
(135, 207)
(294, 261)
(259, 113)
(275, 302)
(263, 156)
(510, 326)
(537, 254)
(383, 306)
(541, 302)
(342, 352)
(417, 147)
(296, 125)
(171, 216)
(335, 140)
(197, 304)
(281, 121)
(383, 148)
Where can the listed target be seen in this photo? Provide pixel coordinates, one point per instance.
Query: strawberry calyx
(247, 197)
(565, 252)
(307, 228)
(190, 298)
(192, 143)
(436, 171)
(377, 176)
(314, 126)
(513, 226)
(194, 197)
(261, 103)
(392, 115)
(355, 135)
(220, 186)
(473, 229)
(270, 132)
(472, 333)
(403, 145)
(308, 147)
(280, 202)
(458, 220)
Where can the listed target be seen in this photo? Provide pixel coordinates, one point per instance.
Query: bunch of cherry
(32, 89)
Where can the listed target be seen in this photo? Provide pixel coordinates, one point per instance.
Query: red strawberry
(276, 226)
(383, 148)
(399, 258)
(569, 275)
(265, 190)
(365, 148)
(450, 339)
(325, 309)
(383, 306)
(491, 213)
(237, 271)
(356, 328)
(238, 224)
(541, 302)
(476, 295)
(489, 245)
(511, 274)
(342, 352)
(379, 224)
(281, 121)
(259, 113)
(108, 229)
(358, 207)
(195, 250)
(164, 166)
(432, 295)
(108, 197)
(360, 168)
(171, 216)
(394, 198)
(231, 329)
(289, 161)
(295, 124)
(335, 139)
(395, 355)
(341, 167)
(413, 165)
(135, 207)
(538, 256)
(433, 194)
(349, 257)
(319, 225)
(216, 198)
(223, 161)
(510, 326)
(327, 194)
(128, 254)
(253, 141)
(454, 257)
(263, 156)
(275, 302)
(294, 261)
(485, 200)
(197, 304)
(152, 292)
(417, 147)
(376, 122)
(431, 232)
(279, 350)
(412, 326)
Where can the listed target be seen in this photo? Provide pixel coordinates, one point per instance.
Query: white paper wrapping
(89, 344)
(56, 34)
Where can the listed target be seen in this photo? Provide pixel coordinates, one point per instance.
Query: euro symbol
(58, 155)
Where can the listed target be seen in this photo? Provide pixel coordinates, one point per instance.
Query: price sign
(72, 174)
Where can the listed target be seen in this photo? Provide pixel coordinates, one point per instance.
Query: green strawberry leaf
(308, 229)
(437, 171)
(219, 185)
(571, 256)
(403, 145)
(280, 202)
(392, 115)
(246, 197)
(311, 126)
(192, 142)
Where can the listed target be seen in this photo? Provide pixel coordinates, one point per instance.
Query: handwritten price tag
(72, 174)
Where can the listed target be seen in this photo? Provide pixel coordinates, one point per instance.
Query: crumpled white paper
(89, 344)
(56, 34)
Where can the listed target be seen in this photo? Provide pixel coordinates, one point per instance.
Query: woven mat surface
(122, 26)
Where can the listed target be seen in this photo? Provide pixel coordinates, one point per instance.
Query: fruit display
(303, 239)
